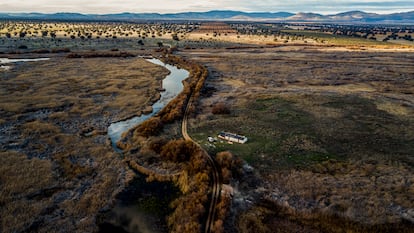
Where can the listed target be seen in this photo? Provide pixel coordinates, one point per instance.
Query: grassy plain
(330, 133)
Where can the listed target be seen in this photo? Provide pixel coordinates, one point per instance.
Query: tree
(175, 37)
(177, 150)
(225, 159)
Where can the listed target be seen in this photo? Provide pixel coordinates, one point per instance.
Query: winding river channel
(172, 85)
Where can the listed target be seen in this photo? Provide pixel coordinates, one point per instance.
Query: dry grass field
(57, 165)
(330, 136)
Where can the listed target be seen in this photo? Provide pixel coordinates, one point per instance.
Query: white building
(231, 137)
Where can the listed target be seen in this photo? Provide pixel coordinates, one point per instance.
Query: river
(172, 85)
(8, 61)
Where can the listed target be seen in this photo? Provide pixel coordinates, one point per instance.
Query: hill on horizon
(348, 17)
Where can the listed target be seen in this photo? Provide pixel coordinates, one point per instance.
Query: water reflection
(172, 84)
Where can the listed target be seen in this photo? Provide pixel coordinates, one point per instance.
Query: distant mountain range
(346, 17)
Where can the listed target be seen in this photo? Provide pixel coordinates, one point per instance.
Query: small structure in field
(211, 139)
(231, 137)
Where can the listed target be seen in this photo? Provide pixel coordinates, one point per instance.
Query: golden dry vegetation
(57, 164)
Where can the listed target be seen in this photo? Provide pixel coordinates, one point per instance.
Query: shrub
(150, 127)
(60, 50)
(178, 150)
(175, 37)
(220, 108)
(224, 159)
(41, 51)
(156, 144)
(99, 54)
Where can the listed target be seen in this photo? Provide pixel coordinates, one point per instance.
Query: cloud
(171, 6)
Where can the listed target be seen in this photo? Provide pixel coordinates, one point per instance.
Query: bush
(156, 144)
(150, 127)
(178, 150)
(99, 54)
(41, 51)
(220, 108)
(175, 37)
(60, 50)
(226, 161)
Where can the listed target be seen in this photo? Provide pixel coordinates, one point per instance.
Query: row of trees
(193, 180)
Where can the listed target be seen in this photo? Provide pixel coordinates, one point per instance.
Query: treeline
(192, 88)
(190, 208)
(23, 49)
(100, 54)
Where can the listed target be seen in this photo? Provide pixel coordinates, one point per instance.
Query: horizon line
(180, 12)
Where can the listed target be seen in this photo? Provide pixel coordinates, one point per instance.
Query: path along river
(172, 84)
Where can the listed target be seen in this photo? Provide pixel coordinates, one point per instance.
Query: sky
(174, 6)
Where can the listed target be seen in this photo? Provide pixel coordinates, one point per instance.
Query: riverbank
(170, 88)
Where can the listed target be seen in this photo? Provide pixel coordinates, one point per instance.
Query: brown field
(57, 164)
(330, 136)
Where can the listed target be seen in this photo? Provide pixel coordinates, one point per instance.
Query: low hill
(345, 17)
